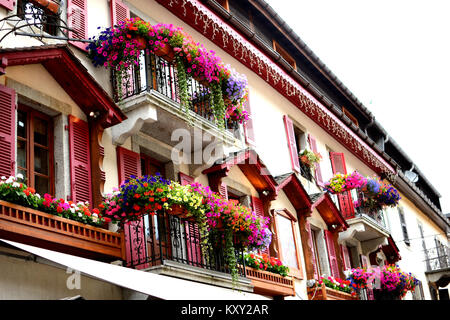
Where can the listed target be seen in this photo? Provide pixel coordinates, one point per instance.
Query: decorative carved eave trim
(72, 76)
(212, 27)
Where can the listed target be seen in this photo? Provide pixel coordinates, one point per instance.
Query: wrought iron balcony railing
(437, 258)
(168, 237)
(154, 73)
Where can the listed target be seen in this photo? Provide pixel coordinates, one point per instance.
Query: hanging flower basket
(180, 212)
(141, 42)
(48, 5)
(166, 52)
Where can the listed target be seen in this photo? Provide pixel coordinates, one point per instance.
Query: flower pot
(142, 43)
(48, 5)
(166, 53)
(180, 212)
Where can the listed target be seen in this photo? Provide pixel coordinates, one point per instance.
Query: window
(224, 4)
(300, 141)
(287, 241)
(45, 17)
(403, 225)
(35, 149)
(317, 254)
(350, 116)
(283, 53)
(150, 166)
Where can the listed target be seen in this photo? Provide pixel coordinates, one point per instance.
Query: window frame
(52, 30)
(149, 160)
(31, 114)
(350, 116)
(284, 213)
(403, 226)
(284, 54)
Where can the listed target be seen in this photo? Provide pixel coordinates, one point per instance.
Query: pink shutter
(185, 179)
(223, 190)
(80, 160)
(345, 198)
(8, 4)
(345, 257)
(119, 12)
(248, 126)
(129, 164)
(313, 144)
(258, 208)
(332, 254)
(290, 134)
(193, 244)
(7, 131)
(313, 254)
(77, 19)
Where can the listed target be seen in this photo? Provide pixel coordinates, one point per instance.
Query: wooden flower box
(37, 228)
(270, 284)
(325, 293)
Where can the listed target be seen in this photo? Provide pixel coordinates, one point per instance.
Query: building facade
(74, 132)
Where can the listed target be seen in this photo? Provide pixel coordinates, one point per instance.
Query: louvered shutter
(7, 131)
(332, 254)
(129, 164)
(80, 160)
(290, 134)
(345, 257)
(311, 246)
(258, 208)
(119, 12)
(345, 198)
(8, 4)
(185, 179)
(248, 126)
(77, 19)
(318, 171)
(223, 190)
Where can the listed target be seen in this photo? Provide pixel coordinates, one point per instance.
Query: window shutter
(313, 144)
(401, 215)
(185, 179)
(248, 126)
(80, 160)
(332, 254)
(345, 257)
(119, 11)
(258, 208)
(193, 244)
(7, 131)
(345, 198)
(129, 164)
(77, 19)
(8, 4)
(291, 143)
(223, 190)
(313, 254)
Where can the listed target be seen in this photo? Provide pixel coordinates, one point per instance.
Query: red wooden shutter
(313, 144)
(248, 126)
(77, 20)
(8, 4)
(290, 134)
(80, 160)
(345, 198)
(119, 11)
(345, 257)
(313, 254)
(223, 190)
(332, 254)
(129, 164)
(185, 179)
(258, 208)
(7, 131)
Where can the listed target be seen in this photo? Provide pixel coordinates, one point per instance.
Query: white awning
(159, 286)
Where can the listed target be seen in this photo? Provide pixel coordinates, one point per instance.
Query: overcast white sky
(395, 57)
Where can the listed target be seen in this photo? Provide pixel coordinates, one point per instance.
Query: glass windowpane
(40, 131)
(41, 158)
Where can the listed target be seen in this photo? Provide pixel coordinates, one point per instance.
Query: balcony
(51, 232)
(437, 262)
(270, 284)
(325, 293)
(150, 98)
(172, 246)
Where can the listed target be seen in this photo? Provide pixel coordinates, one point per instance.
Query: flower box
(270, 284)
(324, 293)
(18, 223)
(166, 53)
(181, 212)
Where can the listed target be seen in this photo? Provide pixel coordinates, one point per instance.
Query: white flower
(3, 178)
(37, 195)
(79, 214)
(16, 185)
(72, 210)
(94, 215)
(9, 180)
(20, 176)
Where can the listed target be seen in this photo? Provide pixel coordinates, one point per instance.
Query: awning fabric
(159, 286)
